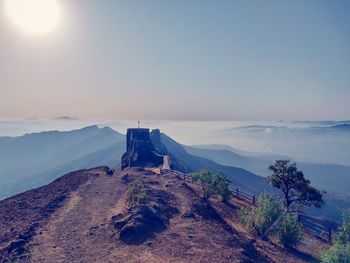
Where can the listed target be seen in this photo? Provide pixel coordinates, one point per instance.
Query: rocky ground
(85, 217)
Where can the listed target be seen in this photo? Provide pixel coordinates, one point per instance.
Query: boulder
(189, 215)
(141, 224)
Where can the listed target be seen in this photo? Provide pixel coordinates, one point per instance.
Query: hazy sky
(181, 60)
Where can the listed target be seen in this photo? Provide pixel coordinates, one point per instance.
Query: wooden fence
(315, 228)
(241, 194)
(309, 224)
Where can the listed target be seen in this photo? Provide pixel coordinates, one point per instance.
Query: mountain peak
(91, 127)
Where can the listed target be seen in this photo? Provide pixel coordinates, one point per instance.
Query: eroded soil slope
(75, 219)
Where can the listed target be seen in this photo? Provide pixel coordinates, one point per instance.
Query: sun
(34, 16)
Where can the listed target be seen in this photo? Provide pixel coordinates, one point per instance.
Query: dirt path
(69, 236)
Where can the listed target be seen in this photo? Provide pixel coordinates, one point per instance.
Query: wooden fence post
(329, 235)
(237, 193)
(254, 200)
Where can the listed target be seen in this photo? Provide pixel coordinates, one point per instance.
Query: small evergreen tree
(339, 252)
(343, 234)
(221, 185)
(260, 218)
(266, 213)
(212, 184)
(207, 182)
(289, 231)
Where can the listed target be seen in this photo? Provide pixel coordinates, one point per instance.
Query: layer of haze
(181, 60)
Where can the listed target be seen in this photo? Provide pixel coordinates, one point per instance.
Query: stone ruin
(140, 151)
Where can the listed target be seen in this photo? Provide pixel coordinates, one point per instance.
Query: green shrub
(266, 213)
(221, 184)
(212, 184)
(195, 177)
(289, 231)
(343, 234)
(339, 251)
(207, 181)
(246, 216)
(260, 218)
(137, 194)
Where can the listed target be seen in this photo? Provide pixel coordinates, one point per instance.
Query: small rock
(109, 172)
(92, 231)
(189, 215)
(153, 182)
(125, 178)
(174, 235)
(117, 217)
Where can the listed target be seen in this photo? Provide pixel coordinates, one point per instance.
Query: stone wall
(140, 151)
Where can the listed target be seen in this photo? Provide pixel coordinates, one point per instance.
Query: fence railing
(315, 228)
(308, 223)
(241, 194)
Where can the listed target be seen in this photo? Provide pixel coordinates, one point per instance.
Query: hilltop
(80, 218)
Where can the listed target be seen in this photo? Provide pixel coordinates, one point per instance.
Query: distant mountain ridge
(49, 154)
(327, 143)
(334, 178)
(344, 126)
(36, 159)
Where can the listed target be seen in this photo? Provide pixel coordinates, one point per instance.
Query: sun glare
(35, 16)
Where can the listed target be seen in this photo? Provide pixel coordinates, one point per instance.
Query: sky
(180, 60)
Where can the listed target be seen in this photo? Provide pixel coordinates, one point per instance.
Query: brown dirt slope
(70, 220)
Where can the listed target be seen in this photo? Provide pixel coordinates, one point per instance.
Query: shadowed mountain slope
(186, 162)
(35, 159)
